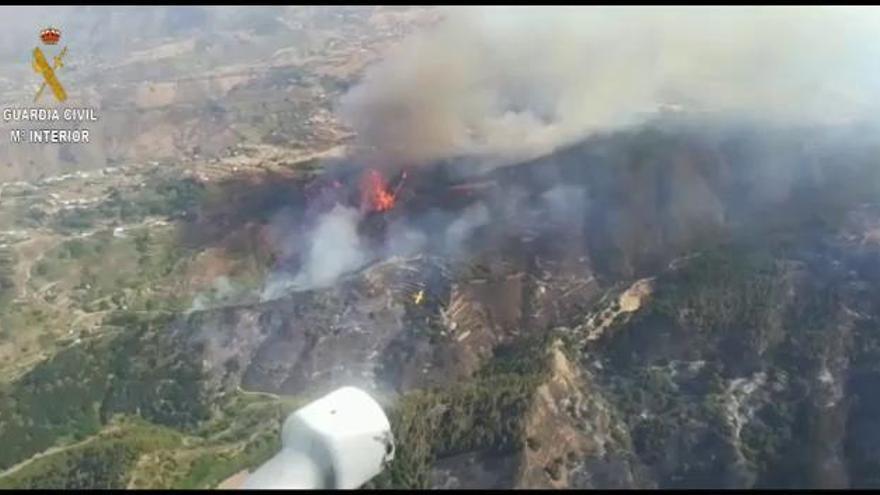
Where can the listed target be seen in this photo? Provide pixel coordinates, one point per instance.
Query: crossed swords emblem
(41, 66)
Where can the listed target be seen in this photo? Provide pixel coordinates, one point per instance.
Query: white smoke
(515, 82)
(334, 248)
(404, 240)
(460, 230)
(565, 205)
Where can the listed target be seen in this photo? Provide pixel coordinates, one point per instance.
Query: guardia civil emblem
(50, 36)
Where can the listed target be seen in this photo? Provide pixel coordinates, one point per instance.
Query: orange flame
(375, 195)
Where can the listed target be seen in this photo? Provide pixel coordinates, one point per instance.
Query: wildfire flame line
(376, 194)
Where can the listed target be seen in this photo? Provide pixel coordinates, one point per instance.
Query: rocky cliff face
(746, 367)
(737, 369)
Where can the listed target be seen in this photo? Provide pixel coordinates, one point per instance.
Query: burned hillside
(511, 261)
(600, 317)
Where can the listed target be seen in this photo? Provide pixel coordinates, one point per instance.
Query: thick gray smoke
(507, 83)
(491, 86)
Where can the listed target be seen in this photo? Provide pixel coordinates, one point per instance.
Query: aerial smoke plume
(494, 86)
(516, 82)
